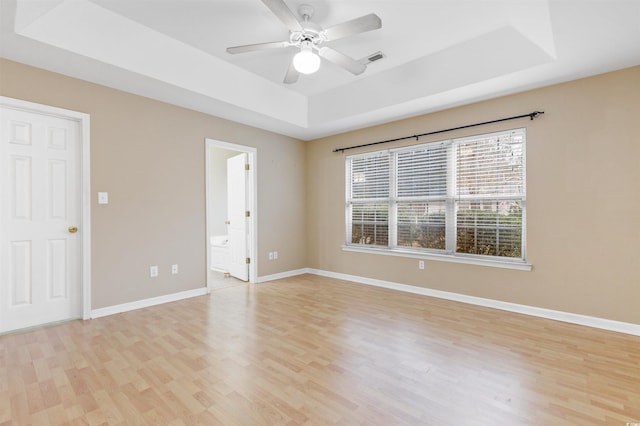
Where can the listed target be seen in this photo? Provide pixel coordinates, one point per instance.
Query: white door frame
(83, 121)
(252, 203)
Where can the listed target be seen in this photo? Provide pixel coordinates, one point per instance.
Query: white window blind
(461, 197)
(368, 200)
(421, 193)
(490, 194)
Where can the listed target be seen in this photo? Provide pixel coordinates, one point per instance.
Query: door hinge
(248, 260)
(246, 166)
(247, 213)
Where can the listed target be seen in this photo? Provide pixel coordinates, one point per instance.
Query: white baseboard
(281, 275)
(589, 321)
(145, 303)
(595, 322)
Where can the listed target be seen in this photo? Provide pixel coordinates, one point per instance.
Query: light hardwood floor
(313, 350)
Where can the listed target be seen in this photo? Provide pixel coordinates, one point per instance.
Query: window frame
(451, 201)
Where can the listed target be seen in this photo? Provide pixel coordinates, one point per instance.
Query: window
(369, 212)
(462, 197)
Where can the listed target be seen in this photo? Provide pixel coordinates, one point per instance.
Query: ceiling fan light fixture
(305, 61)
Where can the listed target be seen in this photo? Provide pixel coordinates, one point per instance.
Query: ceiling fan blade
(292, 74)
(343, 60)
(280, 9)
(260, 46)
(354, 26)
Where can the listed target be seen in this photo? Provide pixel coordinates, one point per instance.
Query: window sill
(505, 264)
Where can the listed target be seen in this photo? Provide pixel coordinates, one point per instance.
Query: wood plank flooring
(318, 351)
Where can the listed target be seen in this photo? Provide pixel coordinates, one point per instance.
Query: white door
(40, 212)
(237, 219)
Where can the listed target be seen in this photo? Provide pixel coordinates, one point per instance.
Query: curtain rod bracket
(531, 116)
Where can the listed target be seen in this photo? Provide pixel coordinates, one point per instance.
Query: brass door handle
(227, 222)
(73, 229)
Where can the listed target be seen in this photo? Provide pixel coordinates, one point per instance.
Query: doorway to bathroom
(231, 200)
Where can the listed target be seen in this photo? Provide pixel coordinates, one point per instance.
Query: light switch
(103, 198)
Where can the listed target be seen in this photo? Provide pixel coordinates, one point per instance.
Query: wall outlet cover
(103, 198)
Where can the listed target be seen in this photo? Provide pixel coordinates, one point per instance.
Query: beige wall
(583, 200)
(150, 157)
(583, 178)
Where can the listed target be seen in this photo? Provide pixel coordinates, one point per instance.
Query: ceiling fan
(309, 37)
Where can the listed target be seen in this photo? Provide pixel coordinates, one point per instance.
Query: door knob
(227, 222)
(73, 229)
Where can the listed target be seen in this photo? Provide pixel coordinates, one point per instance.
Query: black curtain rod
(531, 115)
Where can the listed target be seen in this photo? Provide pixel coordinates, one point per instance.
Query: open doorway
(230, 213)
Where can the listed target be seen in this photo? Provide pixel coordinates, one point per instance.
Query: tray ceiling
(438, 54)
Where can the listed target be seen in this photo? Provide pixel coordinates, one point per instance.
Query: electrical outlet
(275, 255)
(174, 269)
(270, 255)
(153, 271)
(420, 264)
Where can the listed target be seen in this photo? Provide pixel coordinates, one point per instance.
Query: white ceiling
(439, 53)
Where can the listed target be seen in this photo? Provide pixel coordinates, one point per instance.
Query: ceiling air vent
(371, 58)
